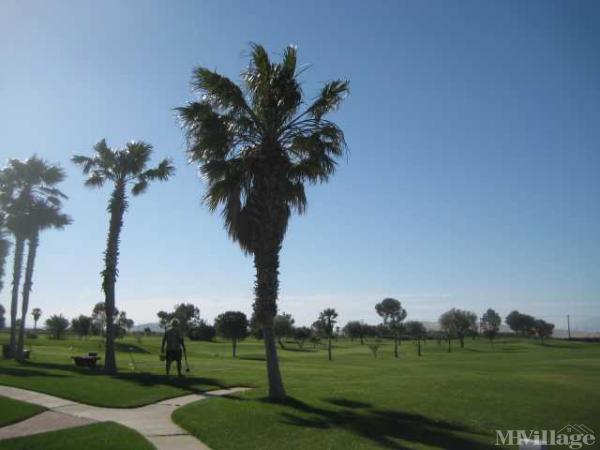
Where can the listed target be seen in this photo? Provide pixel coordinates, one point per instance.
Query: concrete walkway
(151, 421)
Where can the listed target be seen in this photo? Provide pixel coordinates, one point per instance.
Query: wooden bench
(89, 360)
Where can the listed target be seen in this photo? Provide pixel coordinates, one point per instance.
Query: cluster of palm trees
(30, 203)
(257, 146)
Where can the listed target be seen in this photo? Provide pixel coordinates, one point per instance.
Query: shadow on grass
(22, 372)
(188, 383)
(129, 348)
(251, 357)
(345, 403)
(556, 344)
(295, 349)
(383, 427)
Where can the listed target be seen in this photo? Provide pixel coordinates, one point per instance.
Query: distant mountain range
(154, 327)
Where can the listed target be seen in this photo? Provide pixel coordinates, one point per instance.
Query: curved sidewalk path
(151, 421)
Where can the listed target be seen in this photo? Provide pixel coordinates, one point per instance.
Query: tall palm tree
(257, 148)
(41, 217)
(124, 167)
(22, 184)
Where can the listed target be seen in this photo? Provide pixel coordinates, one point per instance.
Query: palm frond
(332, 94)
(96, 179)
(207, 131)
(219, 91)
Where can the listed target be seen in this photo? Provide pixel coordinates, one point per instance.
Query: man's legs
(179, 366)
(168, 366)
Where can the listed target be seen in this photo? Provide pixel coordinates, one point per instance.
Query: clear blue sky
(473, 176)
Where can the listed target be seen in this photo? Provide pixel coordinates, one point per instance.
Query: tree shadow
(186, 383)
(129, 348)
(252, 357)
(22, 372)
(383, 427)
(555, 344)
(348, 403)
(146, 379)
(302, 350)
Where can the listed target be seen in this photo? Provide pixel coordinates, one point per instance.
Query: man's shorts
(173, 355)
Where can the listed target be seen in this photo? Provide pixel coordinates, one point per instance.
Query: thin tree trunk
(462, 341)
(17, 268)
(27, 285)
(419, 347)
(234, 345)
(449, 345)
(265, 306)
(395, 346)
(117, 206)
(329, 348)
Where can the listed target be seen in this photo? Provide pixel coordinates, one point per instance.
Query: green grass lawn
(442, 400)
(14, 411)
(97, 436)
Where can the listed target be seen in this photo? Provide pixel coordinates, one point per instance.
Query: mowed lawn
(97, 436)
(14, 411)
(442, 400)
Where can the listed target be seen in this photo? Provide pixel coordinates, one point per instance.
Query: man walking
(174, 343)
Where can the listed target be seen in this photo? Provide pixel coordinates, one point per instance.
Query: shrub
(56, 326)
(201, 331)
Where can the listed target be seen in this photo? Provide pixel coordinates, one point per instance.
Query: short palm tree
(257, 147)
(23, 184)
(327, 317)
(36, 313)
(42, 216)
(123, 168)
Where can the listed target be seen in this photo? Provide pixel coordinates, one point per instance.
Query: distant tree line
(235, 326)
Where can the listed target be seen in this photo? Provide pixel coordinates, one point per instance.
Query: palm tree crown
(256, 138)
(26, 187)
(126, 165)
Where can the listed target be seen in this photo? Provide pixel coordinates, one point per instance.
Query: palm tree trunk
(34, 241)
(116, 206)
(17, 267)
(4, 246)
(265, 307)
